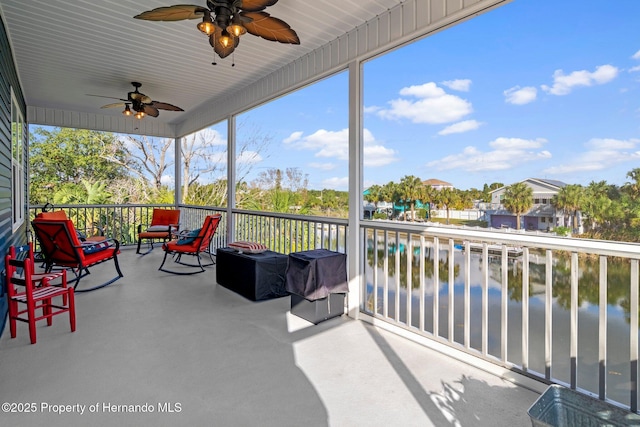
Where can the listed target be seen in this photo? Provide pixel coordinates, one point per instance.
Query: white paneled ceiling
(66, 50)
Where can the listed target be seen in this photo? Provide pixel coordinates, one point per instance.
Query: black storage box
(318, 310)
(254, 276)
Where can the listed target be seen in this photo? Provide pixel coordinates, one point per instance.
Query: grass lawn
(469, 223)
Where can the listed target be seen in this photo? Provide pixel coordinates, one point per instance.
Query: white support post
(355, 262)
(177, 173)
(231, 175)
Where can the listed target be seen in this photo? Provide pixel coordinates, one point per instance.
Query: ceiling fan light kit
(224, 21)
(139, 105)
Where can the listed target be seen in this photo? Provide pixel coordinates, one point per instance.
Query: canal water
(588, 364)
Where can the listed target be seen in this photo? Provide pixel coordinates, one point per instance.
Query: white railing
(558, 309)
(286, 233)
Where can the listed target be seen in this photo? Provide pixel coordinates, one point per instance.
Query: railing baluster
(409, 252)
(602, 329)
(485, 301)
(385, 311)
(436, 286)
(452, 278)
(633, 335)
(467, 296)
(422, 285)
(375, 270)
(573, 352)
(504, 304)
(397, 277)
(548, 319)
(525, 309)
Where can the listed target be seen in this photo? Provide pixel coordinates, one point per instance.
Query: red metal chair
(163, 223)
(195, 245)
(61, 248)
(36, 293)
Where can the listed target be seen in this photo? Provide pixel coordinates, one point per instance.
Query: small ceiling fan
(139, 105)
(224, 21)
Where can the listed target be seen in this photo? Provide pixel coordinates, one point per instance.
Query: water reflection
(451, 306)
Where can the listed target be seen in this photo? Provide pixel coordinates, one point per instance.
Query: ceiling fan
(224, 21)
(139, 105)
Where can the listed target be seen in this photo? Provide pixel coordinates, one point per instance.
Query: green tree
(410, 191)
(446, 198)
(64, 158)
(632, 188)
(570, 199)
(518, 199)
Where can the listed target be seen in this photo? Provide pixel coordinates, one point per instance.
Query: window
(18, 137)
(536, 201)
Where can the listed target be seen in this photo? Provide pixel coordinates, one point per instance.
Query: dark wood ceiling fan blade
(270, 28)
(116, 104)
(102, 96)
(150, 110)
(173, 13)
(165, 106)
(256, 5)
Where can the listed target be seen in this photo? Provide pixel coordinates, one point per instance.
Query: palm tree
(597, 203)
(518, 199)
(410, 190)
(633, 188)
(427, 196)
(446, 198)
(570, 198)
(388, 194)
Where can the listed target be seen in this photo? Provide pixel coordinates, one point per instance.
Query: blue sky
(536, 88)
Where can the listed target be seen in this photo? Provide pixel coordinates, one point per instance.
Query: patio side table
(317, 282)
(254, 276)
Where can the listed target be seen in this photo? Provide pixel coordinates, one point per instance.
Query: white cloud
(600, 154)
(249, 157)
(295, 136)
(506, 153)
(462, 85)
(634, 69)
(378, 155)
(371, 110)
(336, 183)
(323, 166)
(564, 84)
(636, 55)
(432, 106)
(520, 95)
(460, 127)
(335, 145)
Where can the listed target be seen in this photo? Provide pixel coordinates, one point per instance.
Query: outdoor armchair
(164, 222)
(61, 248)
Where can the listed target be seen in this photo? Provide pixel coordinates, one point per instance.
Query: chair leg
(13, 313)
(72, 309)
(139, 243)
(31, 318)
(46, 308)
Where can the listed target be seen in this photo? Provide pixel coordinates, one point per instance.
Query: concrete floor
(155, 349)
